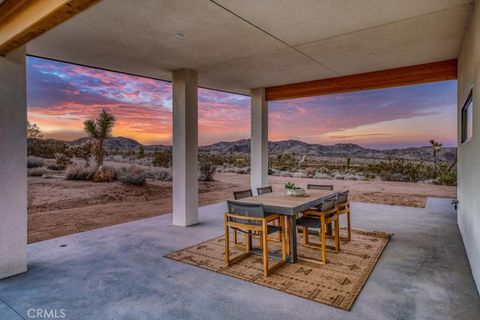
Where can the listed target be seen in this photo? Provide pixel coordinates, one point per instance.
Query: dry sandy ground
(58, 207)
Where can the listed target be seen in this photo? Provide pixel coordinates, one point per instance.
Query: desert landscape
(58, 207)
(100, 180)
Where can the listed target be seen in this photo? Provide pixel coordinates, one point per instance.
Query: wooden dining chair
(264, 190)
(252, 219)
(343, 207)
(319, 207)
(319, 219)
(320, 186)
(237, 195)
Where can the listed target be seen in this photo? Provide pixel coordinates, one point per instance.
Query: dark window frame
(464, 124)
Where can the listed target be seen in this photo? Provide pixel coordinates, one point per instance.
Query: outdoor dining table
(289, 206)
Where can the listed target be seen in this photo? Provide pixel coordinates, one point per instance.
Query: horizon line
(248, 139)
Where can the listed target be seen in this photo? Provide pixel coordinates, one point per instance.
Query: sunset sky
(61, 96)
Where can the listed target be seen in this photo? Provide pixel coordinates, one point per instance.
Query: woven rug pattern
(337, 284)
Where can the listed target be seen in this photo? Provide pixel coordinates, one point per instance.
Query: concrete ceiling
(242, 44)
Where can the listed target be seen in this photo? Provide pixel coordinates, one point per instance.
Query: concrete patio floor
(119, 273)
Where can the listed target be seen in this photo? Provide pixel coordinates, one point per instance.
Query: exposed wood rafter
(422, 73)
(24, 20)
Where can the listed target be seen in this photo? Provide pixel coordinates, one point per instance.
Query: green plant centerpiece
(293, 190)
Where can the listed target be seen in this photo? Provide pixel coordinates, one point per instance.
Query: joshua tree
(141, 152)
(100, 129)
(349, 161)
(436, 146)
(33, 131)
(35, 147)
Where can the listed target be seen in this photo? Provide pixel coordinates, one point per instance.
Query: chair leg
(283, 234)
(287, 231)
(265, 248)
(227, 245)
(322, 239)
(248, 245)
(349, 227)
(305, 236)
(279, 221)
(235, 237)
(337, 234)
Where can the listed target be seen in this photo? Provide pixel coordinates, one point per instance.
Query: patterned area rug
(337, 284)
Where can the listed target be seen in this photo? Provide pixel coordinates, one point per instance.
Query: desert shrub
(206, 169)
(243, 170)
(164, 175)
(36, 172)
(310, 172)
(117, 157)
(299, 174)
(132, 175)
(45, 148)
(62, 160)
(162, 159)
(339, 176)
(352, 176)
(34, 162)
(84, 152)
(285, 162)
(242, 161)
(321, 175)
(401, 170)
(55, 167)
(281, 173)
(104, 174)
(449, 178)
(77, 172)
(158, 174)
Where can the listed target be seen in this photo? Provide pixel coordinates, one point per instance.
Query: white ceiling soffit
(237, 45)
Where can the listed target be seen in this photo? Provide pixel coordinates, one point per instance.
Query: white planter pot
(296, 193)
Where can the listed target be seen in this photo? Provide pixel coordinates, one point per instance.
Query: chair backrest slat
(263, 190)
(342, 197)
(246, 209)
(329, 203)
(237, 195)
(320, 186)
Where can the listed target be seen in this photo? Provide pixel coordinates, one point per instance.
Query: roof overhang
(423, 73)
(239, 45)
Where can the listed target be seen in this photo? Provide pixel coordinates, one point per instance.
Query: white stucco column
(185, 147)
(13, 168)
(259, 139)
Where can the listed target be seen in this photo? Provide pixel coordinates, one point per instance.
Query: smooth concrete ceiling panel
(301, 21)
(274, 68)
(159, 34)
(237, 45)
(434, 37)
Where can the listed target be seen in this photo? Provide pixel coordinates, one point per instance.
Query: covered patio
(119, 272)
(270, 50)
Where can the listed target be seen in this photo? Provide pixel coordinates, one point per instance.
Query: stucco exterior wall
(469, 153)
(13, 166)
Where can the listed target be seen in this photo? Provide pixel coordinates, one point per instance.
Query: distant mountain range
(290, 146)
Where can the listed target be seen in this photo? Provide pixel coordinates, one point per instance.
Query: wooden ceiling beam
(24, 20)
(422, 73)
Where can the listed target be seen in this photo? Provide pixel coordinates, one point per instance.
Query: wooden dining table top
(280, 202)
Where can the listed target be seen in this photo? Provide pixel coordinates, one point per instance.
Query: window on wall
(467, 119)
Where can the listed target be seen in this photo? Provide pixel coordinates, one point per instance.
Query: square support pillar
(259, 139)
(13, 171)
(185, 147)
